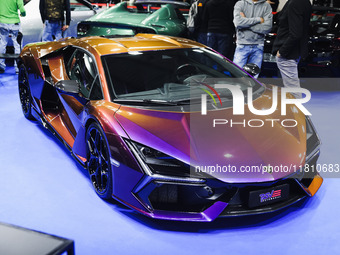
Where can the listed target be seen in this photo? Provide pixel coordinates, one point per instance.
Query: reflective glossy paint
(174, 132)
(124, 20)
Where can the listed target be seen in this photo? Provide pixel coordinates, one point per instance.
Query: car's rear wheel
(25, 93)
(98, 161)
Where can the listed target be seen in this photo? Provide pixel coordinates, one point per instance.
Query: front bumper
(189, 199)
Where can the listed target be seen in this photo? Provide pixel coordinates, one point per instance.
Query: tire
(98, 161)
(25, 93)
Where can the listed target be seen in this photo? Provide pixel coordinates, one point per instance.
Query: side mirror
(88, 5)
(252, 69)
(95, 8)
(67, 86)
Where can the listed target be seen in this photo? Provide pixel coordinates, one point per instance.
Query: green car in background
(155, 17)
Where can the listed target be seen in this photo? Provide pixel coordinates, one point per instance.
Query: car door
(80, 66)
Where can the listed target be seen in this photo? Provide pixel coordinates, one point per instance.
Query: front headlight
(157, 162)
(313, 140)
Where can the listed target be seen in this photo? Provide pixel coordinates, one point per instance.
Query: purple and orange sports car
(149, 118)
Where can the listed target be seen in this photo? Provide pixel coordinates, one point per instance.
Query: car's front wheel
(98, 161)
(25, 93)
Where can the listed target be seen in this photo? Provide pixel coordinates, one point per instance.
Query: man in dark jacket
(201, 26)
(52, 15)
(292, 40)
(274, 4)
(218, 14)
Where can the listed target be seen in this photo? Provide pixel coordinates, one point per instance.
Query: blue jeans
(289, 72)
(222, 43)
(7, 30)
(52, 28)
(252, 53)
(202, 38)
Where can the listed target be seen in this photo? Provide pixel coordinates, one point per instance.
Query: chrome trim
(177, 180)
(312, 154)
(114, 162)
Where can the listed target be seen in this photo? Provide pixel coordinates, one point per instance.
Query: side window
(82, 68)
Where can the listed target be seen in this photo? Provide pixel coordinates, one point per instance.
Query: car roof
(140, 42)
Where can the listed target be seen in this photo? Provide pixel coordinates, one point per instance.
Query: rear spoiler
(177, 3)
(83, 27)
(87, 4)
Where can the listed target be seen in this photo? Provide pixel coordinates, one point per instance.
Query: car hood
(191, 137)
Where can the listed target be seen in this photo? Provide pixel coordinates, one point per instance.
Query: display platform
(18, 241)
(42, 187)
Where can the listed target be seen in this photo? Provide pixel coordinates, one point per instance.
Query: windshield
(171, 75)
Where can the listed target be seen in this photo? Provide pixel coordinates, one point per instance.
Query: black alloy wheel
(98, 161)
(25, 93)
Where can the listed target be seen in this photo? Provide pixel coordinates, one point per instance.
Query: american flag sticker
(268, 196)
(276, 193)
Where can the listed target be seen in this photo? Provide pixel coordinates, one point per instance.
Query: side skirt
(46, 125)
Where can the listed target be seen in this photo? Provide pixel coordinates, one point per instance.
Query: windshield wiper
(144, 102)
(187, 101)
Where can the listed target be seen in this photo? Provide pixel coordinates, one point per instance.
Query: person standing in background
(253, 20)
(191, 21)
(10, 25)
(52, 15)
(291, 42)
(201, 26)
(218, 14)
